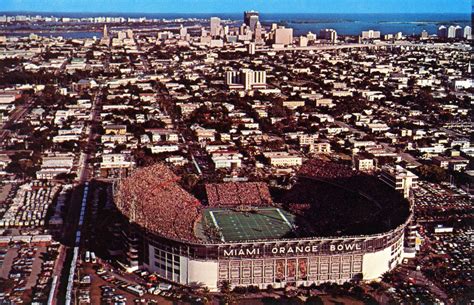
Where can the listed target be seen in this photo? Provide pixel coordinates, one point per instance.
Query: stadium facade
(261, 262)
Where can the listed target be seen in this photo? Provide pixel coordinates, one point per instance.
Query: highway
(71, 223)
(325, 47)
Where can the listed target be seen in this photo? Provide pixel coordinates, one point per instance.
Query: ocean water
(344, 24)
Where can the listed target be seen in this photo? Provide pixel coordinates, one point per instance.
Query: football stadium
(334, 225)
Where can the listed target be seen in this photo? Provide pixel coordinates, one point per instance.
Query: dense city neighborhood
(180, 116)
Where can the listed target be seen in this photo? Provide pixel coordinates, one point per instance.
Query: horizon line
(234, 12)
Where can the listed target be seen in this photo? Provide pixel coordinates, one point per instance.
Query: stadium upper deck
(336, 201)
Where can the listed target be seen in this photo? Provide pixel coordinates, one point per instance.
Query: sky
(233, 6)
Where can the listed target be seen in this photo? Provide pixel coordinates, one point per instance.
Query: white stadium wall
(377, 263)
(202, 273)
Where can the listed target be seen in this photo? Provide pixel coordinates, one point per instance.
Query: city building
(215, 26)
(442, 32)
(467, 33)
(399, 179)
(370, 34)
(251, 18)
(328, 34)
(283, 36)
(452, 31)
(246, 79)
(251, 48)
(258, 33)
(424, 34)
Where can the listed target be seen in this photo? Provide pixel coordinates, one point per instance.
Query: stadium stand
(235, 194)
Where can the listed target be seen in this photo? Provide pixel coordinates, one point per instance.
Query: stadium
(333, 225)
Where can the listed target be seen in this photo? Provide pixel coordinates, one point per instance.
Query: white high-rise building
(183, 32)
(311, 36)
(284, 36)
(251, 18)
(258, 33)
(370, 34)
(215, 26)
(424, 34)
(246, 79)
(400, 179)
(105, 33)
(452, 31)
(303, 41)
(467, 32)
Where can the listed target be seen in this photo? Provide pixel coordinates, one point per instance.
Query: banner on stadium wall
(308, 247)
(288, 249)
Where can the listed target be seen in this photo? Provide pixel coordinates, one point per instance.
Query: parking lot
(27, 272)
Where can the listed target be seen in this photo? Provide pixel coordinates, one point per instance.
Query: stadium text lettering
(297, 249)
(242, 252)
(344, 247)
(277, 250)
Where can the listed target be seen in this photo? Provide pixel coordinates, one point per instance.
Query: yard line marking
(217, 226)
(284, 218)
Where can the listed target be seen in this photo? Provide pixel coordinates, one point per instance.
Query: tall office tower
(253, 23)
(183, 32)
(203, 32)
(452, 31)
(258, 33)
(105, 33)
(251, 18)
(215, 26)
(467, 32)
(311, 36)
(328, 34)
(129, 34)
(442, 32)
(283, 36)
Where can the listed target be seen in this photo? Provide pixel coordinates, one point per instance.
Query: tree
(225, 287)
(314, 300)
(432, 173)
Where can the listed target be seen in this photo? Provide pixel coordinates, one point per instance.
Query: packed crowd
(335, 188)
(355, 181)
(234, 194)
(316, 168)
(152, 198)
(299, 208)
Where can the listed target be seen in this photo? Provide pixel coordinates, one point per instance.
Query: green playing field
(264, 223)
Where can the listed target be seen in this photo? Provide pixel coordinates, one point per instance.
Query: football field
(264, 223)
